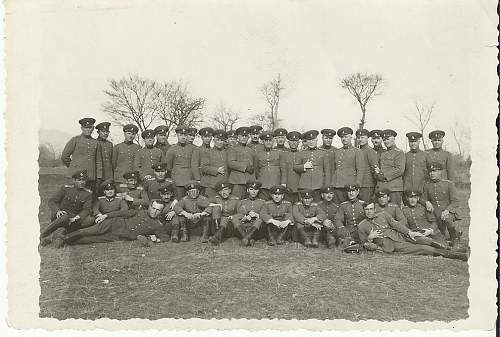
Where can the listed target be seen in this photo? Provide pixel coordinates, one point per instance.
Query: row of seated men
(418, 228)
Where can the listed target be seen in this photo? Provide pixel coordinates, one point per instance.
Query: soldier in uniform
(107, 206)
(440, 196)
(232, 139)
(179, 158)
(191, 135)
(382, 204)
(206, 135)
(329, 207)
(280, 137)
(136, 225)
(349, 215)
(247, 220)
(254, 143)
(80, 152)
(69, 206)
(124, 153)
(392, 168)
(377, 142)
(277, 214)
(270, 166)
(104, 153)
(153, 185)
(308, 219)
(193, 210)
(241, 162)
(224, 207)
(369, 162)
(327, 138)
(313, 165)
(381, 232)
(161, 133)
(168, 217)
(148, 156)
(438, 155)
(348, 168)
(214, 164)
(416, 164)
(289, 157)
(134, 194)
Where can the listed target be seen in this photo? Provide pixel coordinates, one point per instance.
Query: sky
(225, 51)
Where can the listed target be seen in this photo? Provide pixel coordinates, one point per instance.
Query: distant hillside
(54, 137)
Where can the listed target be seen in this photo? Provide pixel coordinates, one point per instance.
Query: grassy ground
(123, 280)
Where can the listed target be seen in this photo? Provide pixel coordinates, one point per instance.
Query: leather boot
(304, 237)
(184, 234)
(248, 236)
(174, 236)
(271, 239)
(217, 238)
(451, 254)
(204, 235)
(281, 234)
(315, 243)
(55, 224)
(330, 240)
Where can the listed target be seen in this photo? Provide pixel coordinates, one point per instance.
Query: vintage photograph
(283, 160)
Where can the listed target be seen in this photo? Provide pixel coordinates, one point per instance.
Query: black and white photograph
(261, 160)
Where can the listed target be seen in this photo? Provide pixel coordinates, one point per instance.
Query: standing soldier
(224, 207)
(292, 177)
(148, 156)
(438, 155)
(124, 153)
(377, 142)
(214, 164)
(330, 208)
(159, 180)
(327, 137)
(254, 143)
(349, 215)
(206, 137)
(369, 162)
(308, 218)
(179, 161)
(382, 204)
(277, 214)
(135, 195)
(241, 161)
(270, 166)
(280, 136)
(392, 168)
(247, 220)
(104, 153)
(232, 139)
(416, 164)
(162, 139)
(191, 135)
(80, 153)
(348, 168)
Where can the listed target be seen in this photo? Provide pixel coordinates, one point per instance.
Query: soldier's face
(103, 134)
(252, 193)
(190, 138)
(312, 143)
(149, 141)
(383, 200)
(129, 136)
(242, 139)
(225, 193)
(166, 196)
(370, 211)
(131, 183)
(435, 175)
(327, 196)
(193, 193)
(346, 139)
(280, 140)
(218, 142)
(437, 143)
(231, 141)
(327, 141)
(206, 140)
(181, 138)
(160, 175)
(268, 143)
(389, 141)
(414, 145)
(255, 137)
(413, 201)
(80, 183)
(155, 209)
(307, 201)
(277, 197)
(377, 141)
(87, 131)
(161, 138)
(363, 140)
(352, 194)
(294, 144)
(109, 193)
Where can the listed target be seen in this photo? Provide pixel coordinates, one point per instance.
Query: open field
(123, 280)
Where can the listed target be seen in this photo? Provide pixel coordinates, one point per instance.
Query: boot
(44, 241)
(303, 236)
(57, 223)
(204, 235)
(451, 254)
(271, 240)
(174, 236)
(315, 243)
(330, 240)
(247, 239)
(217, 238)
(184, 234)
(144, 241)
(279, 239)
(438, 245)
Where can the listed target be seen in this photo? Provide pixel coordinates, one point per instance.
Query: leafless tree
(272, 91)
(461, 135)
(421, 117)
(363, 87)
(263, 119)
(224, 118)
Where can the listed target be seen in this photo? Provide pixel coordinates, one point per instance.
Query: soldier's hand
(374, 234)
(285, 223)
(252, 214)
(127, 197)
(376, 169)
(308, 165)
(328, 223)
(221, 170)
(316, 225)
(429, 206)
(427, 231)
(73, 219)
(413, 235)
(60, 214)
(169, 215)
(100, 217)
(445, 214)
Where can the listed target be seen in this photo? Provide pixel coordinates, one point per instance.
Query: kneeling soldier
(349, 215)
(277, 214)
(135, 196)
(330, 208)
(247, 220)
(308, 218)
(224, 207)
(168, 217)
(193, 209)
(108, 206)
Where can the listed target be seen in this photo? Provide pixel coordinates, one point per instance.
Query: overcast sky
(226, 51)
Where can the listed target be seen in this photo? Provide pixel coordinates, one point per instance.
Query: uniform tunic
(302, 212)
(292, 177)
(145, 158)
(349, 214)
(330, 152)
(179, 163)
(198, 205)
(256, 146)
(228, 207)
(113, 207)
(80, 153)
(418, 217)
(104, 159)
(348, 168)
(415, 170)
(379, 150)
(316, 177)
(153, 186)
(444, 158)
(392, 166)
(164, 148)
(72, 200)
(368, 163)
(244, 207)
(141, 199)
(270, 168)
(280, 212)
(210, 162)
(393, 210)
(329, 208)
(123, 159)
(241, 162)
(443, 195)
(198, 152)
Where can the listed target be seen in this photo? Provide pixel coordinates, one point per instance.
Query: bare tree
(272, 93)
(421, 117)
(461, 135)
(363, 87)
(224, 118)
(263, 119)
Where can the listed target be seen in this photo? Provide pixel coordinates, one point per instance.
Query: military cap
(413, 136)
(327, 189)
(222, 185)
(362, 132)
(344, 131)
(192, 131)
(130, 128)
(366, 204)
(306, 194)
(87, 122)
(309, 135)
(166, 188)
(103, 126)
(243, 130)
(381, 192)
(205, 132)
(231, 134)
(221, 134)
(436, 134)
(108, 185)
(351, 187)
(159, 167)
(81, 174)
(148, 134)
(413, 193)
(255, 129)
(328, 132)
(192, 185)
(181, 129)
(389, 133)
(254, 184)
(376, 133)
(435, 166)
(161, 130)
(280, 132)
(266, 135)
(293, 135)
(278, 189)
(131, 175)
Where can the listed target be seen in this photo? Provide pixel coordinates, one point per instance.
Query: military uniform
(146, 157)
(198, 153)
(80, 153)
(301, 212)
(210, 163)
(179, 164)
(330, 209)
(104, 155)
(111, 207)
(246, 224)
(162, 130)
(153, 186)
(393, 210)
(278, 211)
(270, 169)
(419, 219)
(392, 168)
(445, 158)
(368, 163)
(139, 195)
(349, 214)
(223, 210)
(190, 205)
(241, 162)
(123, 159)
(415, 173)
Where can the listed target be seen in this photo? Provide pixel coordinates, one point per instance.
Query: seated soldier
(158, 181)
(168, 217)
(247, 220)
(349, 215)
(135, 225)
(224, 207)
(382, 203)
(106, 206)
(193, 210)
(135, 196)
(379, 231)
(330, 208)
(418, 218)
(277, 214)
(308, 219)
(69, 206)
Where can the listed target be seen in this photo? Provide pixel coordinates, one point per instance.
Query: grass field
(123, 280)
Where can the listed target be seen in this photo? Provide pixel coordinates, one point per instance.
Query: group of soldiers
(254, 184)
